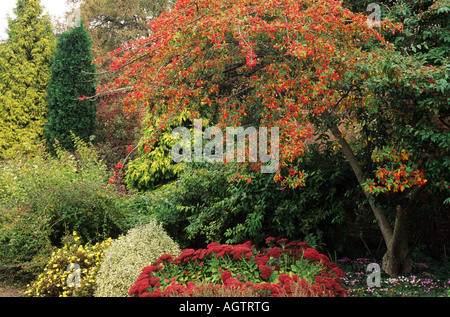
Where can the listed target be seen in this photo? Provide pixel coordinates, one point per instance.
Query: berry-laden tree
(25, 60)
(311, 68)
(72, 77)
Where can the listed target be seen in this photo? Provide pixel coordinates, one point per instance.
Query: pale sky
(53, 7)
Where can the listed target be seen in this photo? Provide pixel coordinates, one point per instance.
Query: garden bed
(420, 283)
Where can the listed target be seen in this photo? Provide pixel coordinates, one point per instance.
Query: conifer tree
(25, 61)
(72, 78)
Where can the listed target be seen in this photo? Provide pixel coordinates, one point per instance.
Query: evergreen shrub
(209, 204)
(73, 79)
(140, 247)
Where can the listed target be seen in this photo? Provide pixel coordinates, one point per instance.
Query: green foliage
(24, 244)
(425, 26)
(432, 42)
(43, 198)
(420, 113)
(154, 166)
(73, 77)
(141, 246)
(410, 110)
(62, 278)
(207, 205)
(25, 60)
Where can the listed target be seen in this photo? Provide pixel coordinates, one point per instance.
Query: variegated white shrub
(128, 254)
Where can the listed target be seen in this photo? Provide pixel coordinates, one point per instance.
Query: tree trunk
(397, 258)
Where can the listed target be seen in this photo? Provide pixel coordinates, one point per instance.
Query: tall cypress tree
(25, 60)
(72, 77)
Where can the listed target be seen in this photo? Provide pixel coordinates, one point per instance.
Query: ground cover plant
(277, 270)
(419, 283)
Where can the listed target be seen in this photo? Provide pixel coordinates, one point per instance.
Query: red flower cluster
(154, 279)
(235, 251)
(312, 254)
(266, 272)
(119, 165)
(146, 282)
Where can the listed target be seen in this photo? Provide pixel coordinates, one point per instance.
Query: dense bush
(44, 198)
(140, 247)
(274, 271)
(207, 205)
(59, 278)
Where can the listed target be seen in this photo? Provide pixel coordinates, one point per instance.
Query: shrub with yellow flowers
(71, 270)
